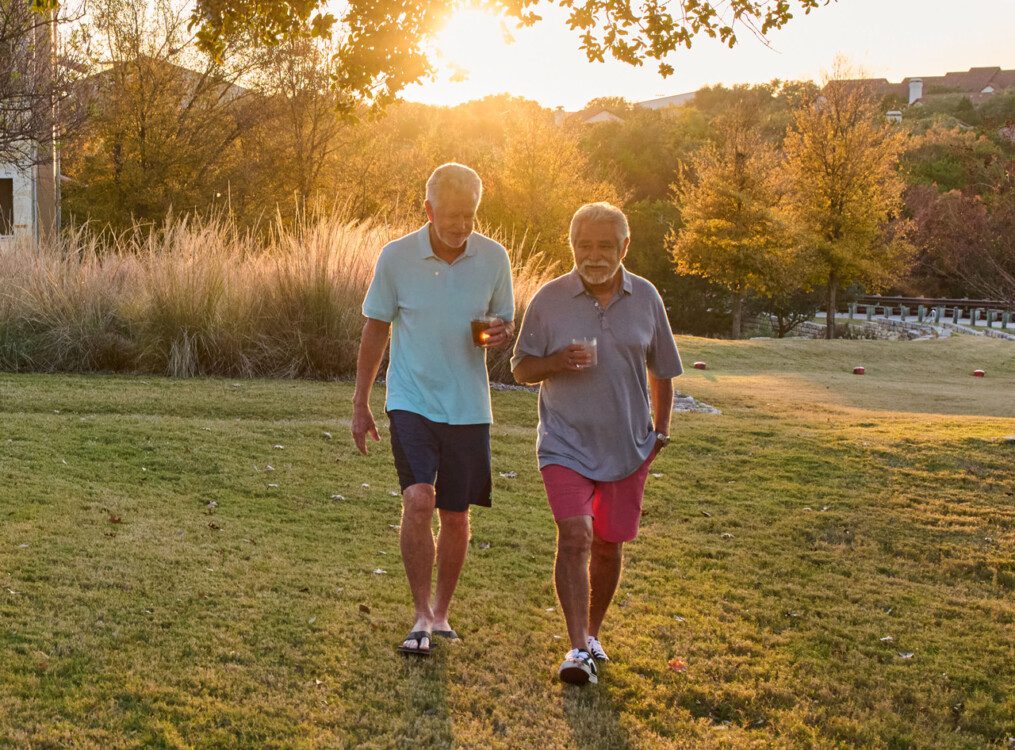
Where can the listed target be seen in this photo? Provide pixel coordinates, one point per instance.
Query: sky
(883, 38)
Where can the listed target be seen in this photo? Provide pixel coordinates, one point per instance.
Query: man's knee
(418, 501)
(574, 536)
(455, 521)
(607, 551)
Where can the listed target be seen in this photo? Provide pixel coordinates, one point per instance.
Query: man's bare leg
(571, 576)
(452, 546)
(604, 574)
(416, 539)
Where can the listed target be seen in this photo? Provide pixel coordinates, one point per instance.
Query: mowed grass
(782, 542)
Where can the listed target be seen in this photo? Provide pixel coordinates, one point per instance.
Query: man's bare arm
(533, 370)
(661, 392)
(371, 351)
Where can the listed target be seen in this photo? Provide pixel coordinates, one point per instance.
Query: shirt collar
(576, 286)
(426, 250)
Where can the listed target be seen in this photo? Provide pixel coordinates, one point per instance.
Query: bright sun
(471, 39)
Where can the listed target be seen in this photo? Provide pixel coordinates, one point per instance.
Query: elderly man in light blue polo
(598, 342)
(427, 289)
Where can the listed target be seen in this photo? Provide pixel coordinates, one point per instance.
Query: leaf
(214, 526)
(278, 447)
(115, 519)
(509, 474)
(336, 497)
(380, 572)
(326, 435)
(906, 654)
(677, 664)
(272, 485)
(364, 609)
(886, 639)
(365, 486)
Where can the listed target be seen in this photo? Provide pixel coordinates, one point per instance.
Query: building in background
(29, 158)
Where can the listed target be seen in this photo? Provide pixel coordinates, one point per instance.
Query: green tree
(843, 189)
(732, 233)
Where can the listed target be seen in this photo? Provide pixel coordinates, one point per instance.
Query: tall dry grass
(200, 297)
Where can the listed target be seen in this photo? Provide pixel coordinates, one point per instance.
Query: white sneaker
(596, 649)
(578, 668)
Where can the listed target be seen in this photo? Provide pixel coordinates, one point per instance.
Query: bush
(199, 297)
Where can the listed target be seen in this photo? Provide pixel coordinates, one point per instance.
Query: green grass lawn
(784, 543)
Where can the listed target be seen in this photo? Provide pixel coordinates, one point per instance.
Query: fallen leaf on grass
(311, 621)
(726, 535)
(364, 609)
(484, 545)
(706, 514)
(272, 485)
(394, 526)
(318, 683)
(336, 497)
(551, 609)
(212, 505)
(23, 546)
(906, 654)
(807, 508)
(678, 618)
(380, 571)
(509, 474)
(278, 446)
(115, 518)
(365, 486)
(393, 493)
(657, 476)
(327, 435)
(677, 664)
(214, 526)
(886, 639)
(269, 467)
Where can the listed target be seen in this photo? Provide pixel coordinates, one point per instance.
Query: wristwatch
(662, 439)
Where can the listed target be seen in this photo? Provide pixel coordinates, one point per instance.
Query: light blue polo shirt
(433, 368)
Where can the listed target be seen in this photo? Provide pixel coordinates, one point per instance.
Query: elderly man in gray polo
(598, 342)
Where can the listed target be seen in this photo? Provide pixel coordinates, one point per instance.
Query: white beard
(596, 276)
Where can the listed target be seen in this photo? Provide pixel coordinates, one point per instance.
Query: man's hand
(362, 425)
(572, 358)
(499, 333)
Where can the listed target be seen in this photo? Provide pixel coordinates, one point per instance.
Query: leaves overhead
(382, 43)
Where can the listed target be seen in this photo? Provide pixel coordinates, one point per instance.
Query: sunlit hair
(453, 178)
(602, 211)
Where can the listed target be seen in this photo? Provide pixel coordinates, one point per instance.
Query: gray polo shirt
(598, 422)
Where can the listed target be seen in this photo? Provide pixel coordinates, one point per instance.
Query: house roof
(972, 82)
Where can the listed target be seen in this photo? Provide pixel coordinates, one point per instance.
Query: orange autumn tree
(843, 191)
(731, 232)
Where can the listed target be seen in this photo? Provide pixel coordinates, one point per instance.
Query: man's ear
(624, 249)
(428, 206)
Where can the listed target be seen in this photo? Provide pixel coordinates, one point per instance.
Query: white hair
(602, 211)
(455, 178)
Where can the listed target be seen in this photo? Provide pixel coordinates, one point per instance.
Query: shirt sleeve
(663, 357)
(381, 301)
(502, 304)
(532, 340)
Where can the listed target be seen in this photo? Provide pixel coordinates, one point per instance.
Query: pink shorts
(615, 507)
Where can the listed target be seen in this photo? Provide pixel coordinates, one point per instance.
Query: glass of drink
(480, 324)
(591, 347)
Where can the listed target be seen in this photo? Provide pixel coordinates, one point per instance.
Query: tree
(732, 233)
(166, 124)
(966, 242)
(382, 42)
(33, 88)
(843, 190)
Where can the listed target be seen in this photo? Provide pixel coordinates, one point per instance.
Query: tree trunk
(833, 285)
(738, 314)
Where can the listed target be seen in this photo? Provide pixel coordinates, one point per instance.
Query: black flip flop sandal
(418, 636)
(450, 635)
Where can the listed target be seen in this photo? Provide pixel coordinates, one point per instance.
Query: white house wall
(24, 204)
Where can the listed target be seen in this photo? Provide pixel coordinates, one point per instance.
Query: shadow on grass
(423, 694)
(593, 718)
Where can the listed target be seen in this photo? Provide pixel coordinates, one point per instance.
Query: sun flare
(472, 38)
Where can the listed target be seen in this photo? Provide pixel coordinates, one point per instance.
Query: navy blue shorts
(455, 458)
